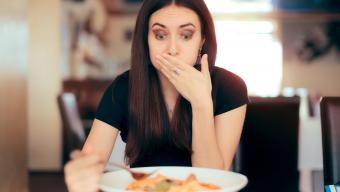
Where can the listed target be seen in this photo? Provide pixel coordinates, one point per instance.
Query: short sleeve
(112, 108)
(231, 91)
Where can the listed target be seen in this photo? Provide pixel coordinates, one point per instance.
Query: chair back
(268, 151)
(73, 130)
(330, 123)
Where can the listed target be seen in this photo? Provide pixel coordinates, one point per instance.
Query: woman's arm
(84, 171)
(101, 139)
(206, 151)
(229, 127)
(215, 139)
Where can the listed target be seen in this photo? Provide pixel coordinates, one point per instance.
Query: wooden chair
(330, 123)
(268, 151)
(73, 130)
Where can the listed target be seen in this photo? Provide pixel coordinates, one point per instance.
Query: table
(310, 153)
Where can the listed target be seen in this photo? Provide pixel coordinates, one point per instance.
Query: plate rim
(235, 188)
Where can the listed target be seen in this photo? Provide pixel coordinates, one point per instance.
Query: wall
(13, 92)
(320, 76)
(44, 83)
(109, 48)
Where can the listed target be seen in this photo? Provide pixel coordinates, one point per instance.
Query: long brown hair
(148, 121)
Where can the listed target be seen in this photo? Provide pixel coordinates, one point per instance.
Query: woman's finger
(83, 161)
(205, 65)
(168, 74)
(170, 67)
(84, 179)
(88, 185)
(92, 172)
(176, 62)
(169, 71)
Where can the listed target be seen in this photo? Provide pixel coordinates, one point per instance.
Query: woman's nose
(173, 49)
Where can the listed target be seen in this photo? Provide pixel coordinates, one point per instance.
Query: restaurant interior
(57, 57)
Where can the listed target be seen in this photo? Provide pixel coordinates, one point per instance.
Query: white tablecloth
(310, 153)
(310, 144)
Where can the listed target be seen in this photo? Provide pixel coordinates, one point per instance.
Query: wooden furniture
(73, 130)
(330, 123)
(78, 104)
(268, 152)
(88, 94)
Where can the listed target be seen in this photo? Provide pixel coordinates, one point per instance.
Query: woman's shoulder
(219, 74)
(119, 86)
(230, 90)
(122, 78)
(121, 81)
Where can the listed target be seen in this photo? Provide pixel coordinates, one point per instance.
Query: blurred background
(48, 47)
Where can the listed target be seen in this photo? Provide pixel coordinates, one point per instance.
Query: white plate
(117, 181)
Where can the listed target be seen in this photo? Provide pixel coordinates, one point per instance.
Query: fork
(135, 174)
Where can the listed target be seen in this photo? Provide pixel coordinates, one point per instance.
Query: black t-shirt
(231, 92)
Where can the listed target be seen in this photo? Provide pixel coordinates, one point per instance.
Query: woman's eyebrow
(181, 26)
(187, 24)
(161, 25)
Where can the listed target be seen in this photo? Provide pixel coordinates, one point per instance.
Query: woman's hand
(83, 172)
(192, 84)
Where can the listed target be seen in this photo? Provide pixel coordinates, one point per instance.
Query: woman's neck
(169, 91)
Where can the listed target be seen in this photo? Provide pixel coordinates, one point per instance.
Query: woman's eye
(187, 35)
(160, 36)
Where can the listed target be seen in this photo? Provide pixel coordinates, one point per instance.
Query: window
(251, 50)
(237, 6)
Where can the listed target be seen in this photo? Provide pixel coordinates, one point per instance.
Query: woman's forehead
(174, 16)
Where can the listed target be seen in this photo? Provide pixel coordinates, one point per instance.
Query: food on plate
(161, 183)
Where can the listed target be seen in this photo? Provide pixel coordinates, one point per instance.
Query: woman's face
(176, 31)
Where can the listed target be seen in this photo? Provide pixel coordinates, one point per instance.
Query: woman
(173, 107)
